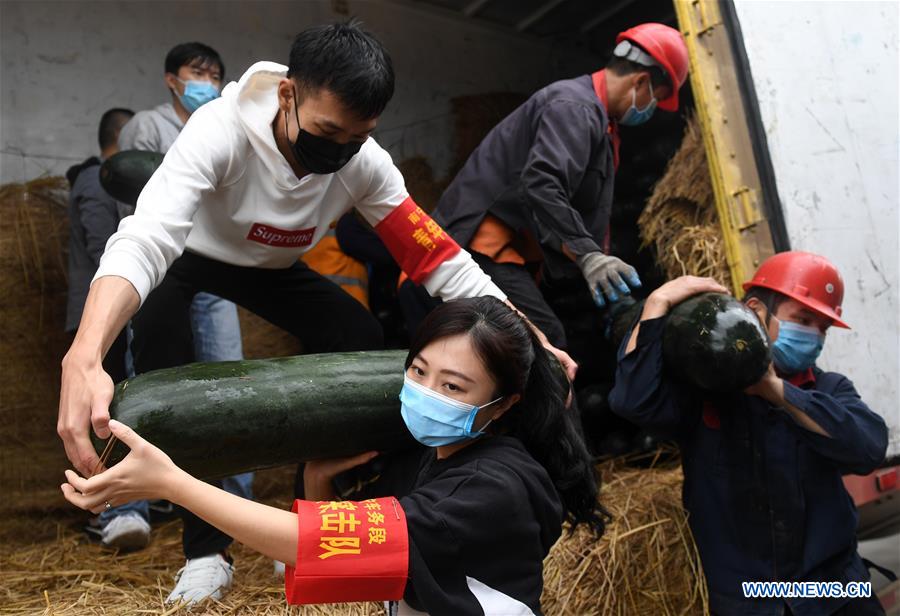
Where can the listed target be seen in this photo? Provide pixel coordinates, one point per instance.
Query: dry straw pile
(645, 563)
(680, 219)
(33, 283)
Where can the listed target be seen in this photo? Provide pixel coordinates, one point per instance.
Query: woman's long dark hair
(514, 356)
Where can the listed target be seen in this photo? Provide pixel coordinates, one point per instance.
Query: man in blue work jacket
(763, 468)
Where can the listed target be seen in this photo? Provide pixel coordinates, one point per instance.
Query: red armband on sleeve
(417, 243)
(349, 551)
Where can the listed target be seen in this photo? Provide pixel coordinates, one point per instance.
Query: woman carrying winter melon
(505, 466)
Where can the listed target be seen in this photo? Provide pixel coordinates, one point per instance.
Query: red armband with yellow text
(417, 243)
(349, 551)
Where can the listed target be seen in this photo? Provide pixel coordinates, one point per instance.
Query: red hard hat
(666, 46)
(811, 280)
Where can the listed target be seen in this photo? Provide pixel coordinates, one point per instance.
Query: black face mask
(318, 154)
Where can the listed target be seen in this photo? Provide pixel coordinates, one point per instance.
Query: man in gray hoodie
(194, 73)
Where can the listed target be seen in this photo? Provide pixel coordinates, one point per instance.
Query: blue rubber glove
(607, 277)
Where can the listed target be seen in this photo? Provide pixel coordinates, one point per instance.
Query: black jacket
(546, 170)
(93, 217)
(480, 524)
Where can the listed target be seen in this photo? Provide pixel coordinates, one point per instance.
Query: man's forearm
(111, 302)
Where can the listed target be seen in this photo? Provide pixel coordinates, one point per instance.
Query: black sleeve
(453, 525)
(642, 393)
(360, 241)
(99, 217)
(556, 164)
(389, 474)
(435, 584)
(858, 438)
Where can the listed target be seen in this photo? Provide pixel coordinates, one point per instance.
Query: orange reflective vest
(328, 259)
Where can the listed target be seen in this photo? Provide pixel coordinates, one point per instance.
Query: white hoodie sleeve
(147, 242)
(457, 275)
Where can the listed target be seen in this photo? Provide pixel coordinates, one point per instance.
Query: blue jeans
(217, 331)
(141, 507)
(217, 337)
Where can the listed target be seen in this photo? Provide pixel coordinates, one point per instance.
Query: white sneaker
(202, 578)
(128, 531)
(278, 569)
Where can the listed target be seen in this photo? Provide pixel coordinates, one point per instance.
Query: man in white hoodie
(252, 182)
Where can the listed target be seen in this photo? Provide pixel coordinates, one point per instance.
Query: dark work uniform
(765, 496)
(480, 524)
(546, 172)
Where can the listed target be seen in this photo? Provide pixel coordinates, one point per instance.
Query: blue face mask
(797, 347)
(197, 93)
(434, 419)
(634, 116)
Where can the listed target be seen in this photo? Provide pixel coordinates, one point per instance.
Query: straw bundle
(33, 274)
(645, 563)
(680, 219)
(262, 340)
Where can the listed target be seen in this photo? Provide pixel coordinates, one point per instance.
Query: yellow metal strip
(726, 136)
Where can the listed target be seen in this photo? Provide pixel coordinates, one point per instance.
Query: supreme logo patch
(283, 238)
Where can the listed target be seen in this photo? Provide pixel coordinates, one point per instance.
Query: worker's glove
(606, 277)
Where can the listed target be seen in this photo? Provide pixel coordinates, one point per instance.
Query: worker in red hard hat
(763, 468)
(538, 191)
(810, 280)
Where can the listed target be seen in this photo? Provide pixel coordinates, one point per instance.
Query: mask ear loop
(769, 304)
(471, 420)
(174, 90)
(296, 114)
(652, 97)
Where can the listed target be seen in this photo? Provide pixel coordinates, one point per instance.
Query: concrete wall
(828, 96)
(63, 63)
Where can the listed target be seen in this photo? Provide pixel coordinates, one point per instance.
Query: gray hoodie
(154, 130)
